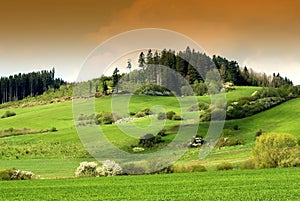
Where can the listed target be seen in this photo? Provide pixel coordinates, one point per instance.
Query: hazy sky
(34, 35)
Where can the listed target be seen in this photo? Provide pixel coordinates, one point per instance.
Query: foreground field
(267, 184)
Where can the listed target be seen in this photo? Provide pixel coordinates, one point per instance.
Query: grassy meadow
(57, 154)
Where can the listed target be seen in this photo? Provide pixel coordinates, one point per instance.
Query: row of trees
(19, 86)
(194, 66)
(230, 71)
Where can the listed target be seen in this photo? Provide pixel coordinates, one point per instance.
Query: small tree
(271, 149)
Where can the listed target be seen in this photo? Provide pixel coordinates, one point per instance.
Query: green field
(267, 184)
(57, 154)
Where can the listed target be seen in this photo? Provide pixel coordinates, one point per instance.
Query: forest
(20, 86)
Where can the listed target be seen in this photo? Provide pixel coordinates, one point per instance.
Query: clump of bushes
(149, 140)
(225, 166)
(91, 169)
(161, 116)
(139, 114)
(170, 115)
(154, 90)
(198, 107)
(229, 141)
(176, 117)
(86, 169)
(8, 114)
(11, 174)
(182, 168)
(162, 132)
(276, 150)
(107, 118)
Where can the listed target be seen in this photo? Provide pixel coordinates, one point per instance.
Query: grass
(65, 145)
(222, 185)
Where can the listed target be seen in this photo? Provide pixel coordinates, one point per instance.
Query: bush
(8, 114)
(110, 168)
(22, 175)
(176, 117)
(10, 174)
(274, 150)
(162, 132)
(86, 169)
(147, 140)
(225, 166)
(5, 174)
(147, 111)
(183, 168)
(248, 165)
(170, 115)
(161, 116)
(106, 118)
(259, 133)
(91, 169)
(229, 141)
(132, 113)
(140, 114)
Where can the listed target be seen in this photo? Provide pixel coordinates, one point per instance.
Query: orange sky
(35, 35)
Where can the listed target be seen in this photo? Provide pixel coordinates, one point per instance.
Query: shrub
(182, 168)
(147, 111)
(140, 114)
(274, 150)
(53, 129)
(86, 169)
(225, 166)
(259, 133)
(5, 174)
(10, 174)
(8, 114)
(248, 164)
(149, 140)
(109, 168)
(132, 113)
(229, 141)
(176, 117)
(22, 175)
(162, 132)
(107, 118)
(170, 115)
(161, 116)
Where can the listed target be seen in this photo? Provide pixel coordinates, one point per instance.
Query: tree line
(19, 86)
(189, 63)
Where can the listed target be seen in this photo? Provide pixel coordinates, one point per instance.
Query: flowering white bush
(86, 169)
(138, 149)
(109, 168)
(22, 175)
